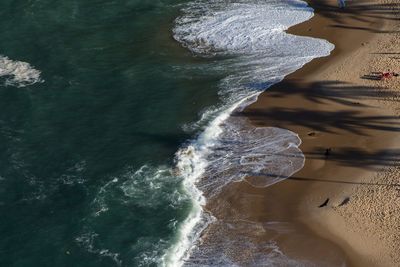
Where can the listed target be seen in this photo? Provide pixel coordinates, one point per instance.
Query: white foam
(155, 188)
(252, 32)
(18, 73)
(87, 240)
(241, 27)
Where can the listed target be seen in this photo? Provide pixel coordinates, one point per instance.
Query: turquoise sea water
(80, 151)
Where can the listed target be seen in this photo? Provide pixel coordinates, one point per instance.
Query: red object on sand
(386, 75)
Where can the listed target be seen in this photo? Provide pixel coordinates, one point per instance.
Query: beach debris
(344, 202)
(328, 152)
(324, 204)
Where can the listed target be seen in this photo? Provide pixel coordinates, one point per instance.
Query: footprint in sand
(324, 204)
(344, 202)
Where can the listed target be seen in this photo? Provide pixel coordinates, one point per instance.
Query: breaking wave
(18, 73)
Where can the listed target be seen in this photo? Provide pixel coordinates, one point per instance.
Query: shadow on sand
(351, 118)
(348, 116)
(361, 11)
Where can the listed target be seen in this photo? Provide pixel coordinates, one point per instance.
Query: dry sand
(334, 102)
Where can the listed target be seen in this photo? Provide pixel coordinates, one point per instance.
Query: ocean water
(116, 123)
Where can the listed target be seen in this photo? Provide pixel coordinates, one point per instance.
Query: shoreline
(331, 107)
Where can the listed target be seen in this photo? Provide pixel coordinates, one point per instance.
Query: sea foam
(133, 192)
(18, 73)
(249, 40)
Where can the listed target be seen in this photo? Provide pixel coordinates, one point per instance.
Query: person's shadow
(376, 76)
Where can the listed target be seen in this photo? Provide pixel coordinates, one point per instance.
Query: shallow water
(109, 126)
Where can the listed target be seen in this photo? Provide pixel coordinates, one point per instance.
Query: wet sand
(349, 125)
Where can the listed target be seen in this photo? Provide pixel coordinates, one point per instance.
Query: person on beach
(341, 3)
(387, 75)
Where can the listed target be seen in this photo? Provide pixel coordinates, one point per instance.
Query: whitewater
(18, 73)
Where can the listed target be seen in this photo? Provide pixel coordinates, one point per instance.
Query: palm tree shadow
(351, 118)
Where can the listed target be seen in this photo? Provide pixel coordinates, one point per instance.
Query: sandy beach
(333, 104)
(349, 125)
